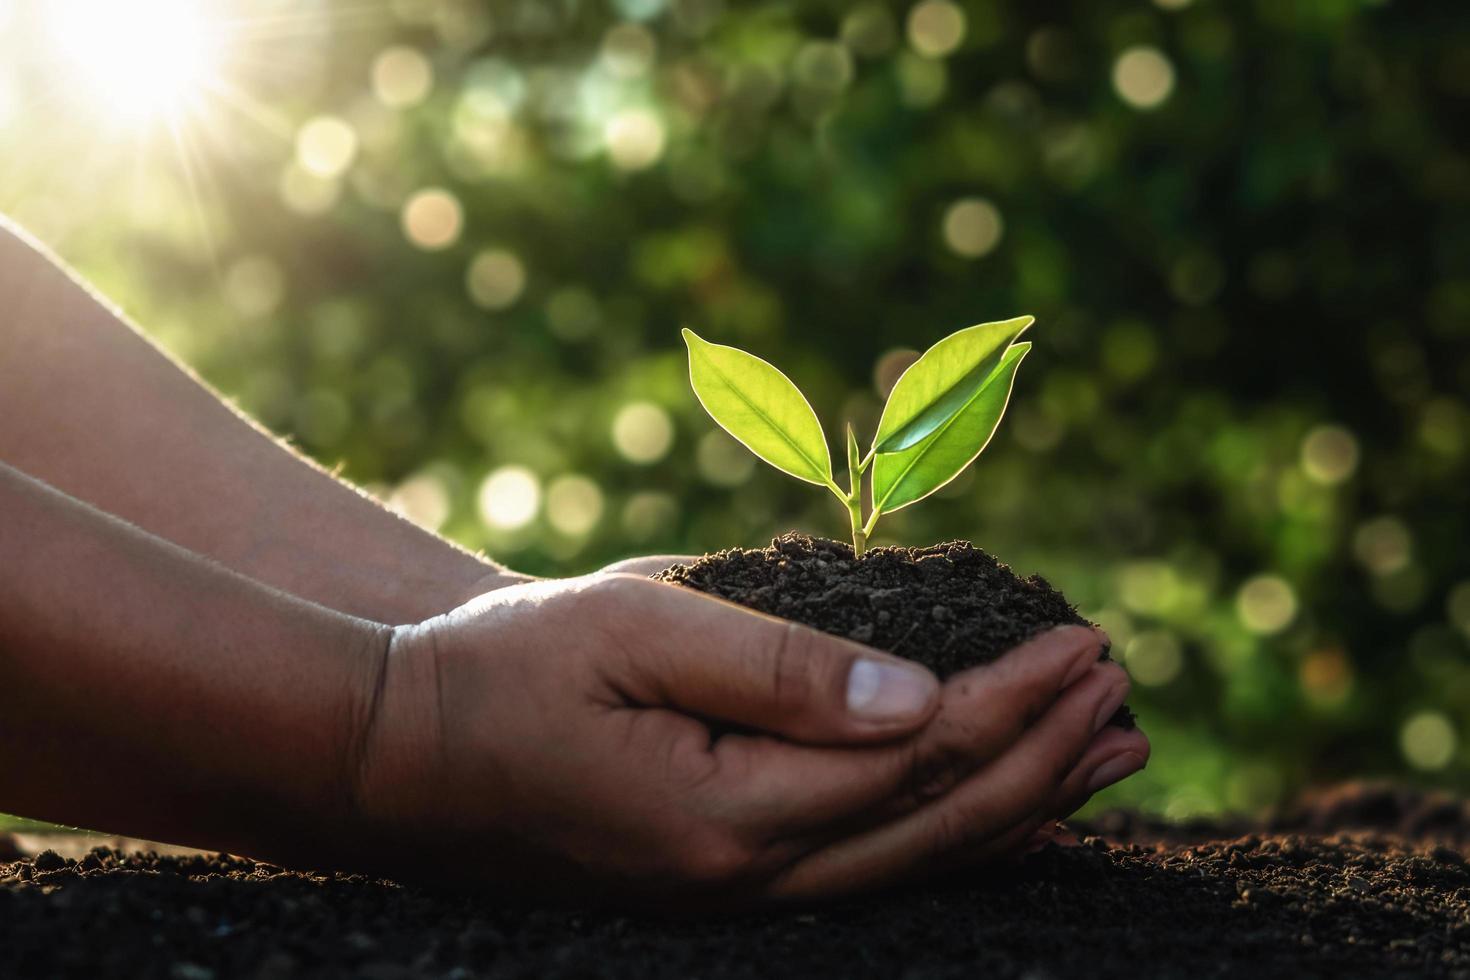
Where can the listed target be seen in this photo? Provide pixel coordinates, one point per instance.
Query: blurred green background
(448, 244)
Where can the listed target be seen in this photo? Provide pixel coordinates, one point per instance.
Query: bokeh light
(890, 367)
(1326, 677)
(1143, 77)
(1329, 454)
(254, 285)
(1153, 658)
(402, 77)
(936, 27)
(509, 498)
(422, 499)
(495, 279)
(1382, 545)
(432, 219)
(572, 313)
(1428, 740)
(628, 50)
(972, 227)
(635, 139)
(1266, 604)
(574, 504)
(326, 146)
(649, 514)
(722, 461)
(642, 432)
(824, 66)
(307, 193)
(869, 29)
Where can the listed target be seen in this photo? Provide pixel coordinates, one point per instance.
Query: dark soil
(949, 606)
(1346, 901)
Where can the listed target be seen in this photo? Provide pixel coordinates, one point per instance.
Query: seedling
(938, 418)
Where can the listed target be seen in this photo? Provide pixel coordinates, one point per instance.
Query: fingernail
(881, 691)
(1117, 768)
(1109, 703)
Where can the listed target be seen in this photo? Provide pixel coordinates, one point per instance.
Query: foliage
(1244, 447)
(938, 419)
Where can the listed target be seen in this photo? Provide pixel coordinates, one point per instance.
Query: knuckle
(791, 664)
(617, 604)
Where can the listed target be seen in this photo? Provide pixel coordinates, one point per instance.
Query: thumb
(707, 657)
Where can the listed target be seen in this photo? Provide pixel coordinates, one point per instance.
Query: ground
(1364, 882)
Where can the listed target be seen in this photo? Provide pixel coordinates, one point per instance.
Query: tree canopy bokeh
(449, 244)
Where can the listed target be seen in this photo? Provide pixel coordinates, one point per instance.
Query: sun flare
(140, 61)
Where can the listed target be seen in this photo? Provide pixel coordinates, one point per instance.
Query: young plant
(938, 418)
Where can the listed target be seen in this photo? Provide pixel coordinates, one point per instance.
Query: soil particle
(949, 606)
(49, 861)
(1335, 903)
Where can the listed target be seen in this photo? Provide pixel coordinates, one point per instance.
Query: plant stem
(855, 511)
(855, 467)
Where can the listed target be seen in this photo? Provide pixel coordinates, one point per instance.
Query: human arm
(93, 408)
(147, 691)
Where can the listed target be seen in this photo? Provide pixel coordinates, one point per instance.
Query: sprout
(938, 418)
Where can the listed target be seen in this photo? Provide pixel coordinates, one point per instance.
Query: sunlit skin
(206, 639)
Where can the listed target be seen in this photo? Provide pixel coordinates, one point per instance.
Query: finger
(648, 564)
(711, 658)
(1114, 755)
(1008, 792)
(798, 790)
(985, 709)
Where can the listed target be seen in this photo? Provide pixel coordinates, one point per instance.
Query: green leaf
(912, 474)
(760, 407)
(943, 381)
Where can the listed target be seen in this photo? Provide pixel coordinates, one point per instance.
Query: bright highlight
(140, 60)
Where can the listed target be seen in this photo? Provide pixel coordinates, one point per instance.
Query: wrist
(297, 804)
(393, 766)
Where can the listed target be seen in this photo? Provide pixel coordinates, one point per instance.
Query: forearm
(93, 408)
(146, 691)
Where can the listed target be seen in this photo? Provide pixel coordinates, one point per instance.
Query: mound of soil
(1343, 903)
(949, 606)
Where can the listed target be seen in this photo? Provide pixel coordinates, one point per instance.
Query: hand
(555, 738)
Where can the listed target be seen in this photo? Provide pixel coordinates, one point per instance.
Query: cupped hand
(614, 737)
